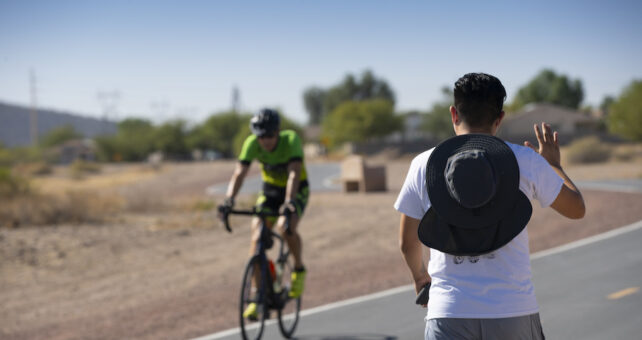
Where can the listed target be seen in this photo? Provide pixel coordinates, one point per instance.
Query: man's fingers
(547, 132)
(528, 144)
(538, 134)
(555, 138)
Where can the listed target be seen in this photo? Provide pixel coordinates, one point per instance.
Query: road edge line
(540, 254)
(588, 240)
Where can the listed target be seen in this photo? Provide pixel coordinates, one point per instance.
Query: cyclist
(285, 186)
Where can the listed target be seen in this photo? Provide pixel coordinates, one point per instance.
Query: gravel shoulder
(175, 275)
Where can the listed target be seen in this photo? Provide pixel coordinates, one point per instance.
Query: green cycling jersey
(274, 164)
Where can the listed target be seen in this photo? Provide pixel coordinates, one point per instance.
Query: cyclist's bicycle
(272, 280)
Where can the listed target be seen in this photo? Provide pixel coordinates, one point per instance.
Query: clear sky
(181, 59)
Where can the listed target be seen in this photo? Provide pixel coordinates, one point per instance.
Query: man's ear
(499, 119)
(454, 116)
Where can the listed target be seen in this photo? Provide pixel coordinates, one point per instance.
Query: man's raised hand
(548, 144)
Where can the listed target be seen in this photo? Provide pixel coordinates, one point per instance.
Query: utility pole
(236, 99)
(109, 101)
(33, 113)
(160, 110)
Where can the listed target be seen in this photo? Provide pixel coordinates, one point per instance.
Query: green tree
(367, 87)
(218, 132)
(625, 116)
(549, 87)
(313, 101)
(170, 138)
(437, 120)
(359, 121)
(605, 106)
(59, 135)
(133, 141)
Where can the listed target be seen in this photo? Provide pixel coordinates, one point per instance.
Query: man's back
(493, 285)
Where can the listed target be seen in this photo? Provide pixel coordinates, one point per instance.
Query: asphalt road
(588, 289)
(322, 177)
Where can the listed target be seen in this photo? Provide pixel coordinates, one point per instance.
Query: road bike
(272, 280)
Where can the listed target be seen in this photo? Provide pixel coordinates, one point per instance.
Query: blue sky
(181, 59)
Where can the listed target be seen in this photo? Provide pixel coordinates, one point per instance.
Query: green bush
(625, 114)
(80, 168)
(33, 169)
(588, 150)
(12, 185)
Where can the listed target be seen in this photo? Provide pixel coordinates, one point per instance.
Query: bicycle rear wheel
(289, 313)
(252, 328)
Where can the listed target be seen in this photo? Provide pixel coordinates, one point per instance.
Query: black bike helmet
(265, 122)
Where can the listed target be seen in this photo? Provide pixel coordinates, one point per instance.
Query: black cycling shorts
(272, 197)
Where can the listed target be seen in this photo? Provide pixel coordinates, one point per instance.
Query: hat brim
(435, 232)
(506, 170)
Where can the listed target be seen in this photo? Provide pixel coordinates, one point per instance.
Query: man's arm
(237, 179)
(412, 251)
(569, 201)
(294, 174)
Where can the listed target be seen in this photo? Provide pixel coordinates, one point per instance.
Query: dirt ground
(176, 274)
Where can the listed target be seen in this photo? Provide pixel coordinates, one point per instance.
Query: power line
(33, 113)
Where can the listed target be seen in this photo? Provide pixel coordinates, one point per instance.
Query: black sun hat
(473, 186)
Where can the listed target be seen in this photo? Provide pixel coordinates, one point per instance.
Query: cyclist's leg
(262, 203)
(294, 241)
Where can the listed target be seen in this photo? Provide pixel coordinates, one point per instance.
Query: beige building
(569, 123)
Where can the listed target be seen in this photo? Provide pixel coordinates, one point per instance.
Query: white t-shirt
(494, 285)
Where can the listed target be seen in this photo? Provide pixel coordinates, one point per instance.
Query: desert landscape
(156, 264)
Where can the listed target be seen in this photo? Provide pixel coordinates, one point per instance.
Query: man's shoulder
(520, 150)
(421, 160)
(289, 134)
(524, 154)
(251, 139)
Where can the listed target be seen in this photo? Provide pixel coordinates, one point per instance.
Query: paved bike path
(589, 289)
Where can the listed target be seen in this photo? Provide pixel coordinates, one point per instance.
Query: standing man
(285, 186)
(468, 200)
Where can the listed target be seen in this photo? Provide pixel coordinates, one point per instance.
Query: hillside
(15, 120)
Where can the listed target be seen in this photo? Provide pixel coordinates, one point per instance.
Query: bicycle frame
(264, 243)
(266, 295)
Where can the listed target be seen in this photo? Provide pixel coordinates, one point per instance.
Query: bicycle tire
(250, 329)
(288, 314)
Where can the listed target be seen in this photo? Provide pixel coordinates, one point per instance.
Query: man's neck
(464, 130)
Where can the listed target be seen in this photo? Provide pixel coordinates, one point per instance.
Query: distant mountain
(15, 124)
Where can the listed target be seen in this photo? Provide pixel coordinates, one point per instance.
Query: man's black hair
(479, 99)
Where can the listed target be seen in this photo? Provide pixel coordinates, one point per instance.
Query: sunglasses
(267, 135)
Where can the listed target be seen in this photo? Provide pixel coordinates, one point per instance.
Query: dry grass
(588, 150)
(75, 207)
(173, 197)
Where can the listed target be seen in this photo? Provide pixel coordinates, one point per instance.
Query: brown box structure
(356, 175)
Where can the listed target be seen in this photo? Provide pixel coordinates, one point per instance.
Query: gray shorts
(518, 328)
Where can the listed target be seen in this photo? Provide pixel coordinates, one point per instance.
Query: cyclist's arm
(294, 175)
(412, 250)
(237, 179)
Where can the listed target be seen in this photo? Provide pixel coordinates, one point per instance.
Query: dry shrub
(203, 205)
(628, 152)
(588, 150)
(12, 185)
(80, 168)
(137, 200)
(33, 169)
(74, 207)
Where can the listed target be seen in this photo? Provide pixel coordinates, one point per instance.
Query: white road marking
(612, 233)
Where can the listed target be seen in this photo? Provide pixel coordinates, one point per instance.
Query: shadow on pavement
(346, 337)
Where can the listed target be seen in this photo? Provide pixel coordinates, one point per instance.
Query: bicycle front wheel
(289, 313)
(253, 291)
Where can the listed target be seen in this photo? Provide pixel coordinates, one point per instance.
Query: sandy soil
(176, 275)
